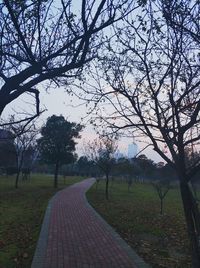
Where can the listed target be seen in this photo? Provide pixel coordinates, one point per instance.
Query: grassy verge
(160, 239)
(21, 215)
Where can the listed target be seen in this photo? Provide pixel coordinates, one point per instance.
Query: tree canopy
(49, 41)
(57, 144)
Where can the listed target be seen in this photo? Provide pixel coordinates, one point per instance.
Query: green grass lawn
(160, 239)
(21, 215)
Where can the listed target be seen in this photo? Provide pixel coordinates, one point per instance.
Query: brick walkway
(79, 238)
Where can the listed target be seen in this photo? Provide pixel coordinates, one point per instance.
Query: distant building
(118, 155)
(132, 150)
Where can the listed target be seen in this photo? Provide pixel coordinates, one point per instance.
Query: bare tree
(182, 16)
(151, 81)
(101, 151)
(162, 188)
(48, 40)
(24, 142)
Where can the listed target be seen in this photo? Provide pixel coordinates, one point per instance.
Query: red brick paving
(78, 238)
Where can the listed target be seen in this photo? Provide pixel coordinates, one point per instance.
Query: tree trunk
(97, 183)
(17, 179)
(107, 182)
(19, 167)
(161, 206)
(192, 220)
(56, 175)
(2, 103)
(194, 190)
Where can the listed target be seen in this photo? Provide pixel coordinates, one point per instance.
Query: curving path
(73, 235)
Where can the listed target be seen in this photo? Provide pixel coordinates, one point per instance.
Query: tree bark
(161, 206)
(192, 221)
(17, 179)
(194, 190)
(107, 183)
(56, 175)
(19, 167)
(2, 103)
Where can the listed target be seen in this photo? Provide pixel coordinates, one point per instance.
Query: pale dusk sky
(58, 102)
